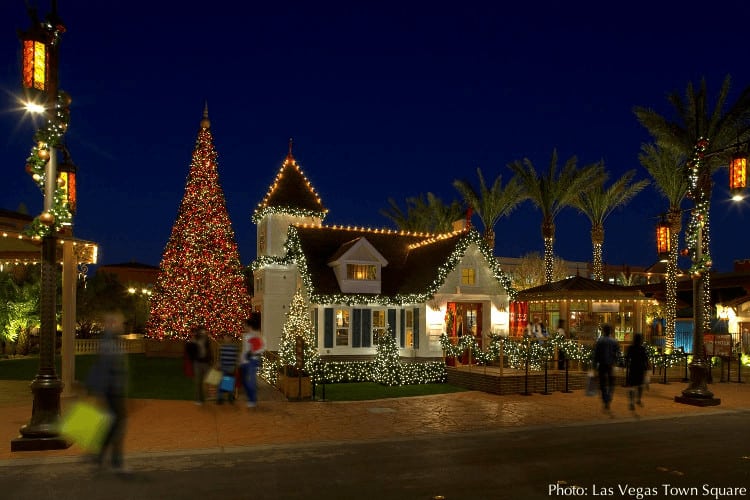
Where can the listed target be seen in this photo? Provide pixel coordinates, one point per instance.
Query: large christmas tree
(200, 279)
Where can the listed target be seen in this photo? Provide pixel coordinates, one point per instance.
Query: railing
(129, 346)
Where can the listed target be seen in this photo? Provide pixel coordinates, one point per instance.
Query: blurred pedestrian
(253, 346)
(606, 352)
(199, 350)
(228, 366)
(108, 381)
(637, 364)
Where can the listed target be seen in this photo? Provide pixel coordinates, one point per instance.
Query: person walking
(199, 350)
(227, 365)
(606, 352)
(253, 346)
(637, 364)
(561, 352)
(108, 381)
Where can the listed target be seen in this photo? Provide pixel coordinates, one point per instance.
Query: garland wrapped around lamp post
(45, 139)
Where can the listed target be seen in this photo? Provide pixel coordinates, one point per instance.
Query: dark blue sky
(383, 100)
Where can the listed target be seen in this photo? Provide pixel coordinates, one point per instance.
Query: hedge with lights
(47, 138)
(518, 351)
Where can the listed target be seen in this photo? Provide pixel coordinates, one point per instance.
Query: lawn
(162, 378)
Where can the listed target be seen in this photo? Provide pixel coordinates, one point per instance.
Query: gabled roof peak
(291, 192)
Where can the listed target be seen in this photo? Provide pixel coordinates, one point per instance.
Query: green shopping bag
(86, 424)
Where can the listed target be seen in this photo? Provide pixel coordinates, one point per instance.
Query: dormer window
(361, 272)
(358, 267)
(468, 276)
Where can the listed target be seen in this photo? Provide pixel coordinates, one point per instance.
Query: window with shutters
(342, 327)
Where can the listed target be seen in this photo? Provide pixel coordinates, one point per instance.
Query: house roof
(579, 288)
(413, 259)
(291, 190)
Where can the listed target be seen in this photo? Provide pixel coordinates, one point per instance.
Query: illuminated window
(342, 327)
(468, 276)
(378, 325)
(361, 272)
(409, 328)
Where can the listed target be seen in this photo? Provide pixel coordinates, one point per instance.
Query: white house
(362, 282)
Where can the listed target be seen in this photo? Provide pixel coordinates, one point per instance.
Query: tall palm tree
(552, 192)
(490, 204)
(667, 169)
(598, 203)
(696, 122)
(427, 214)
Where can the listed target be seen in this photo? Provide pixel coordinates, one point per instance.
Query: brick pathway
(158, 426)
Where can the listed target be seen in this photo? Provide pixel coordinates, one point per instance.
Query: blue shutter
(328, 327)
(403, 327)
(356, 328)
(392, 321)
(415, 326)
(366, 327)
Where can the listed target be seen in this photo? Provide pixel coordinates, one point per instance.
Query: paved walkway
(176, 427)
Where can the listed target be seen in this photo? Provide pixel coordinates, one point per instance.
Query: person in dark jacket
(637, 363)
(606, 352)
(199, 350)
(108, 381)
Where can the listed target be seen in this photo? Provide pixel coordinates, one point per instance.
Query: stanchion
(739, 367)
(664, 361)
(686, 378)
(526, 377)
(729, 364)
(567, 390)
(546, 364)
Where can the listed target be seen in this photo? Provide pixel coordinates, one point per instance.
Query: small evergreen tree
(299, 324)
(387, 360)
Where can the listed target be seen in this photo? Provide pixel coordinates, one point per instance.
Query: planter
(290, 386)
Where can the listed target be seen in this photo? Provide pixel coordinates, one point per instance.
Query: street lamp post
(40, 73)
(136, 295)
(697, 392)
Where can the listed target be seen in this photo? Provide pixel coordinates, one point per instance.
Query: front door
(468, 321)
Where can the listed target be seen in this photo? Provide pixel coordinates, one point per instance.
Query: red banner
(519, 318)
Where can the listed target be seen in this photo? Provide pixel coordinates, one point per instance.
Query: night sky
(383, 100)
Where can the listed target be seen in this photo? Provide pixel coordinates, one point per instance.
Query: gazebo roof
(18, 248)
(580, 288)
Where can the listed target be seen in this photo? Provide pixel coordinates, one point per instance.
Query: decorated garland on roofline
(294, 254)
(297, 212)
(46, 138)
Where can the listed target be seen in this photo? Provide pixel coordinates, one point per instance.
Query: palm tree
(720, 130)
(424, 214)
(667, 169)
(491, 203)
(552, 192)
(598, 203)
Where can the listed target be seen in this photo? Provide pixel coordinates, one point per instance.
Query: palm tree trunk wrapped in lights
(598, 203)
(553, 191)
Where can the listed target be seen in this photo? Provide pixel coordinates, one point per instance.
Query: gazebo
(584, 305)
(19, 249)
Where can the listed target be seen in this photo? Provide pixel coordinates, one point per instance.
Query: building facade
(362, 283)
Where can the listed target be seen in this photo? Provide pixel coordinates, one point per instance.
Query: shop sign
(718, 345)
(605, 307)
